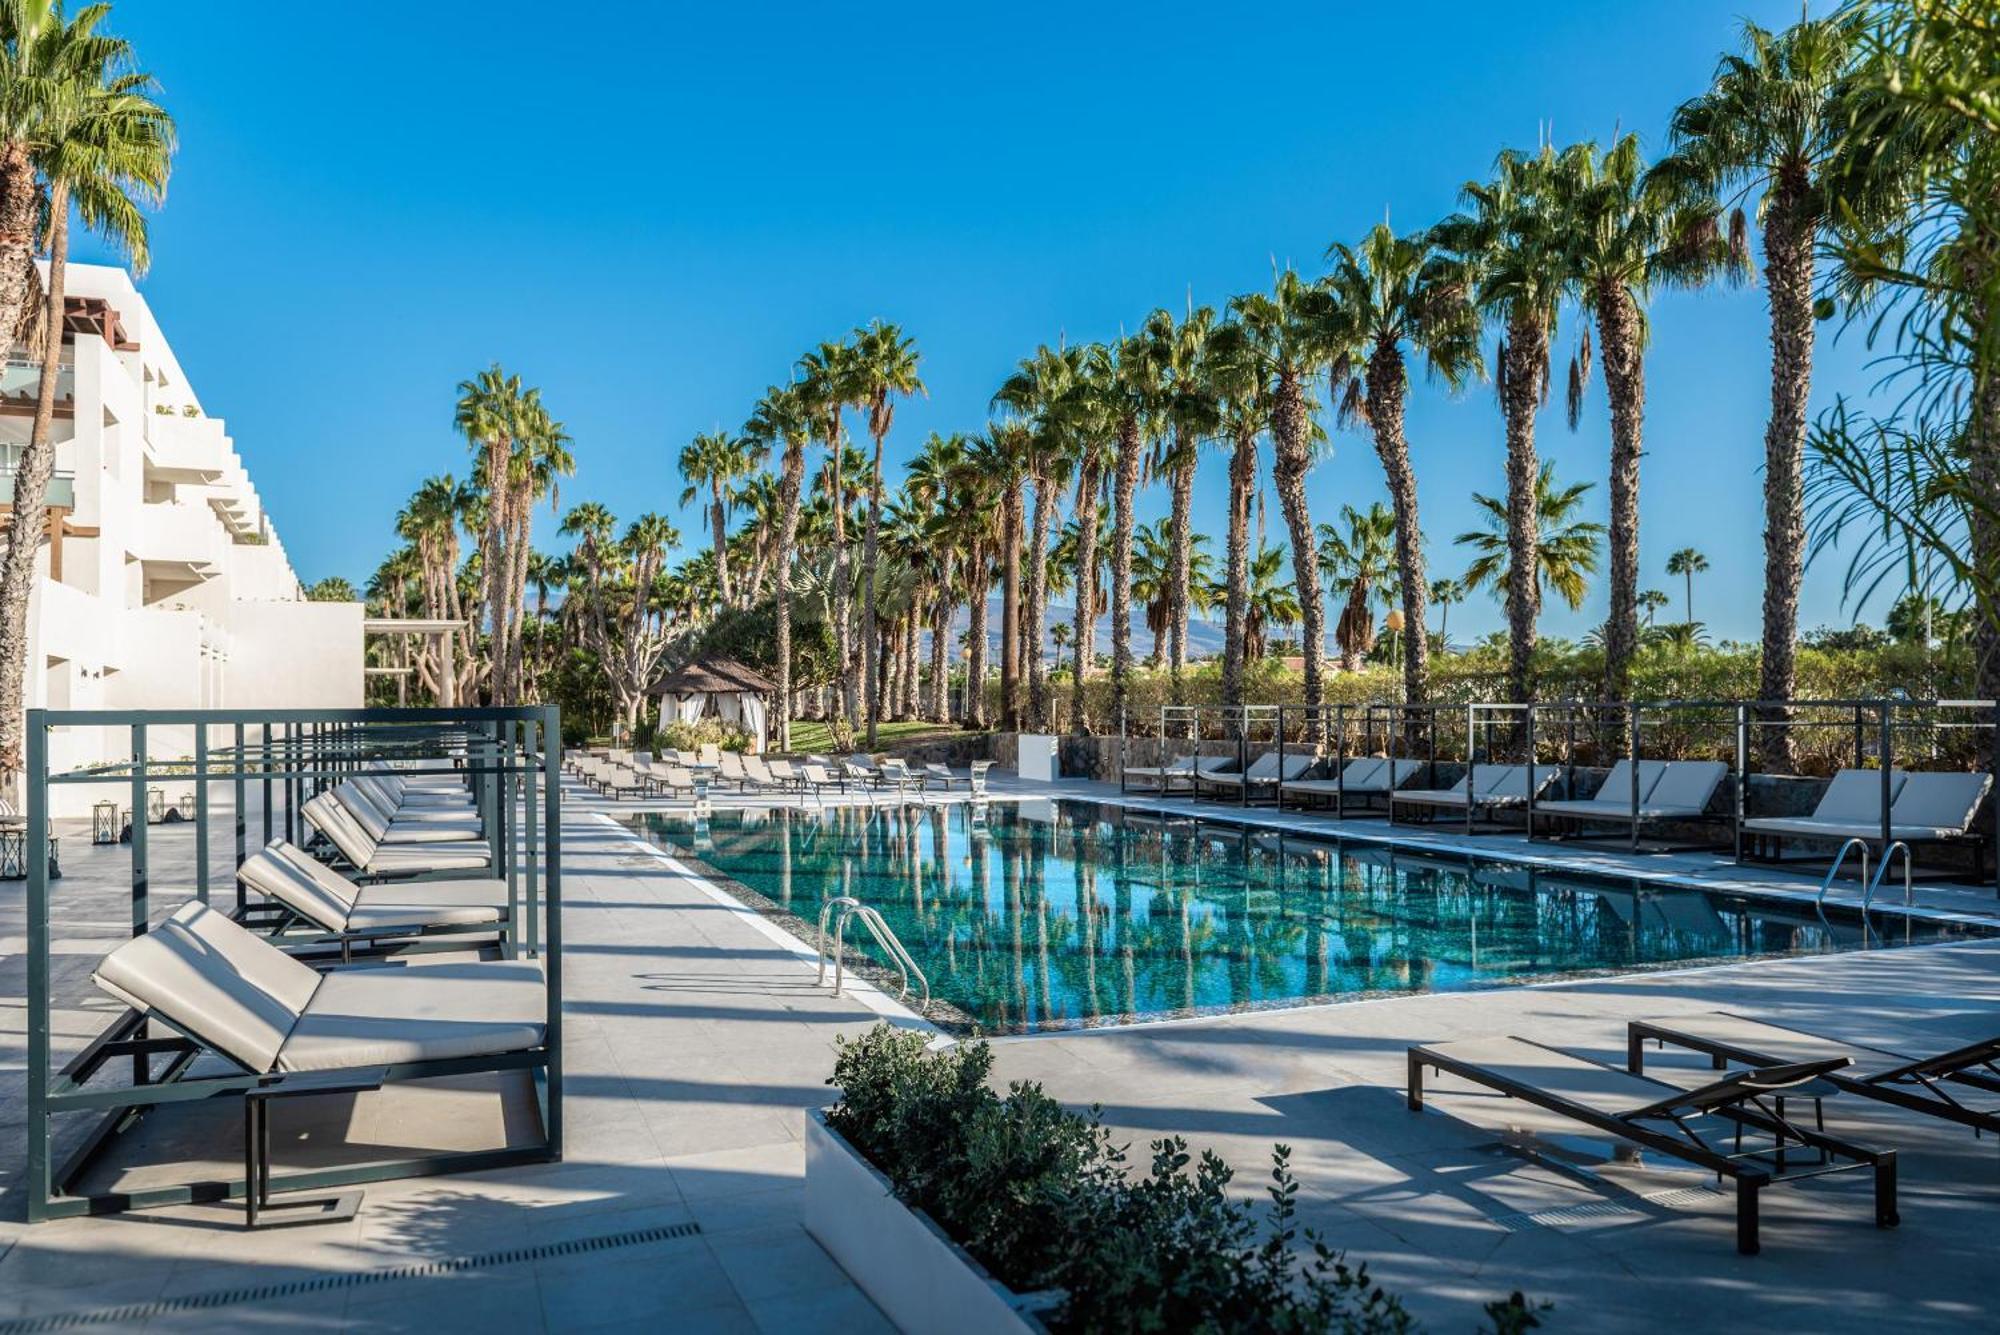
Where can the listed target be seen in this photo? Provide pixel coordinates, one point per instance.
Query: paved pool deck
(696, 1041)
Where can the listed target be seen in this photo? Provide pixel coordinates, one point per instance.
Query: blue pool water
(1062, 913)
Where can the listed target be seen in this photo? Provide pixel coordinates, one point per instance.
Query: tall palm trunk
(517, 593)
(1180, 552)
(941, 611)
(1625, 381)
(719, 517)
(908, 706)
(1010, 606)
(842, 639)
(1984, 474)
(871, 634)
(1038, 602)
(1789, 232)
(1236, 607)
(494, 563)
(1123, 488)
(1291, 458)
(31, 485)
(789, 481)
(1388, 389)
(20, 203)
(1525, 362)
(975, 636)
(1087, 484)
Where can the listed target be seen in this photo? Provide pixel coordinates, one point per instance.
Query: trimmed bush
(1044, 1200)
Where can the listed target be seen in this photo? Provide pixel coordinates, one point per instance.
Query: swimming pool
(1054, 914)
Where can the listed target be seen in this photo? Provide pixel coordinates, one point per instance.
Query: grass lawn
(809, 735)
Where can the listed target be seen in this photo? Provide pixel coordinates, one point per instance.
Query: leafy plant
(1043, 1199)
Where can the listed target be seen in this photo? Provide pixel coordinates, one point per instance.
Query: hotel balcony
(186, 450)
(179, 540)
(21, 387)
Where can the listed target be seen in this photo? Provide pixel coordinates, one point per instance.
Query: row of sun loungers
(1952, 1080)
(636, 773)
(1924, 807)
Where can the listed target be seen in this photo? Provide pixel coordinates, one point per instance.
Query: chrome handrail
(1883, 870)
(1840, 860)
(884, 935)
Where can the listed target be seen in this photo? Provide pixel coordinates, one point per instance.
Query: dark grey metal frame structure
(511, 758)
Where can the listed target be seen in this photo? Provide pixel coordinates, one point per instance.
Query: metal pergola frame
(509, 756)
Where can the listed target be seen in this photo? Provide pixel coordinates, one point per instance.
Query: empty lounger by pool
(1937, 1085)
(1851, 807)
(1360, 779)
(1666, 1119)
(320, 895)
(1266, 772)
(300, 1031)
(1483, 786)
(385, 828)
(376, 859)
(1163, 777)
(1668, 790)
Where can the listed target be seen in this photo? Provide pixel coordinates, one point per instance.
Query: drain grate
(197, 1302)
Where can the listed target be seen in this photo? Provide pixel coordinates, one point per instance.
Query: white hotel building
(161, 583)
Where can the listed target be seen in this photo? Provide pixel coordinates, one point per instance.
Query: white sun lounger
(1363, 778)
(1928, 807)
(1668, 790)
(372, 858)
(1161, 777)
(316, 893)
(300, 1031)
(1482, 786)
(387, 827)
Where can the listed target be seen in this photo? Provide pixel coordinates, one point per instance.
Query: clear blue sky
(651, 210)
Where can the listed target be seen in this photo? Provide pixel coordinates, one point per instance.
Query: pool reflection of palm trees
(1027, 921)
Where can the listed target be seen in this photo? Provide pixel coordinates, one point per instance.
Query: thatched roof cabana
(732, 691)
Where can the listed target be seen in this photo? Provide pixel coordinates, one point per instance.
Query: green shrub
(1042, 1198)
(679, 736)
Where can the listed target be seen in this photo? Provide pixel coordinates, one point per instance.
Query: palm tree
(1689, 563)
(1010, 453)
(73, 113)
(1042, 392)
(1059, 634)
(1628, 233)
(1270, 601)
(1444, 592)
(783, 416)
(429, 522)
(1774, 121)
(718, 460)
(1650, 602)
(1397, 292)
(1565, 547)
(1090, 436)
(932, 475)
(1188, 403)
(1509, 244)
(1294, 333)
(829, 383)
(1154, 557)
(885, 368)
(1129, 379)
(1236, 375)
(1358, 560)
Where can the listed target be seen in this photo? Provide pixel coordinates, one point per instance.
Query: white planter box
(1035, 757)
(922, 1280)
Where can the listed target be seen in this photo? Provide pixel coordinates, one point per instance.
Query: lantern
(104, 823)
(156, 805)
(186, 805)
(1395, 623)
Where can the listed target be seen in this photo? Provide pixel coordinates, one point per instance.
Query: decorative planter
(921, 1279)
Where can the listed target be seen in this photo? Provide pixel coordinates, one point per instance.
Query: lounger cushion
(428, 904)
(277, 877)
(428, 1012)
(1804, 827)
(1687, 785)
(1855, 796)
(1940, 800)
(204, 973)
(410, 859)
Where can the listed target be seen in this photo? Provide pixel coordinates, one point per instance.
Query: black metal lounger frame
(1746, 1109)
(508, 754)
(1917, 1084)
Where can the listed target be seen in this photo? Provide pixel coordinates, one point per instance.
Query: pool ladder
(1869, 884)
(847, 906)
